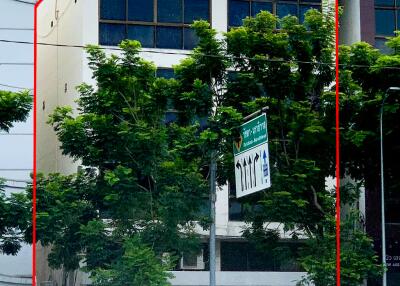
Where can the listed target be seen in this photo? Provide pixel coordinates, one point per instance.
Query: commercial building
(16, 152)
(162, 26)
(372, 21)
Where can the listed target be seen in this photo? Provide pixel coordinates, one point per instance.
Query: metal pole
(383, 196)
(213, 169)
(383, 202)
(384, 278)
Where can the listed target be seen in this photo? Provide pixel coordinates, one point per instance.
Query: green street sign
(252, 134)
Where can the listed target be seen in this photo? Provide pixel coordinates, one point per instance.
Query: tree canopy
(14, 107)
(145, 145)
(14, 208)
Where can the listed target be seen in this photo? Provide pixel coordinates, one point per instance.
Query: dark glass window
(257, 7)
(142, 22)
(304, 9)
(165, 73)
(141, 10)
(385, 22)
(196, 10)
(111, 34)
(380, 44)
(169, 11)
(113, 9)
(190, 39)
(242, 256)
(235, 210)
(283, 10)
(238, 10)
(143, 34)
(384, 2)
(169, 37)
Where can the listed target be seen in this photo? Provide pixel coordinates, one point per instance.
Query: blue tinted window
(283, 10)
(190, 39)
(238, 10)
(257, 7)
(380, 44)
(111, 34)
(143, 34)
(141, 10)
(304, 9)
(384, 3)
(165, 73)
(398, 19)
(170, 117)
(384, 22)
(113, 9)
(169, 11)
(196, 10)
(169, 37)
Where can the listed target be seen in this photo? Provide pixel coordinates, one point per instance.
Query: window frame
(274, 3)
(155, 24)
(396, 9)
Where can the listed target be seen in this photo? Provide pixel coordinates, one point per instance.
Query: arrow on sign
(245, 173)
(239, 166)
(255, 177)
(251, 180)
(265, 157)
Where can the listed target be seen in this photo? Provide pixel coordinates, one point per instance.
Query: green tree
(14, 107)
(129, 269)
(14, 220)
(365, 76)
(142, 180)
(14, 209)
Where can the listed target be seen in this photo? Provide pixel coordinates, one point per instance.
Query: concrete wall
(228, 278)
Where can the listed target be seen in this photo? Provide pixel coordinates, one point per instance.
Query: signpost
(252, 157)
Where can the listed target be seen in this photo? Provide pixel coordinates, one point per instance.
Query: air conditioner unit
(192, 261)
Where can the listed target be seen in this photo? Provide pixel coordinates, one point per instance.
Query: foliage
(14, 208)
(141, 178)
(144, 180)
(14, 217)
(14, 107)
(129, 270)
(365, 78)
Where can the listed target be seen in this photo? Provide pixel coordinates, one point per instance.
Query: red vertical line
(34, 282)
(337, 146)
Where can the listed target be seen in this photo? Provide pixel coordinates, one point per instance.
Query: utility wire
(16, 180)
(13, 86)
(205, 55)
(16, 64)
(24, 2)
(15, 29)
(13, 187)
(16, 134)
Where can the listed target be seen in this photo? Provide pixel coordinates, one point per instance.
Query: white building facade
(16, 151)
(162, 26)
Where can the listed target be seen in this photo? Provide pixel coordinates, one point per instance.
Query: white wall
(228, 278)
(16, 148)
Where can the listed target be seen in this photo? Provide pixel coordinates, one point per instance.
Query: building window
(387, 20)
(154, 23)
(243, 256)
(240, 9)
